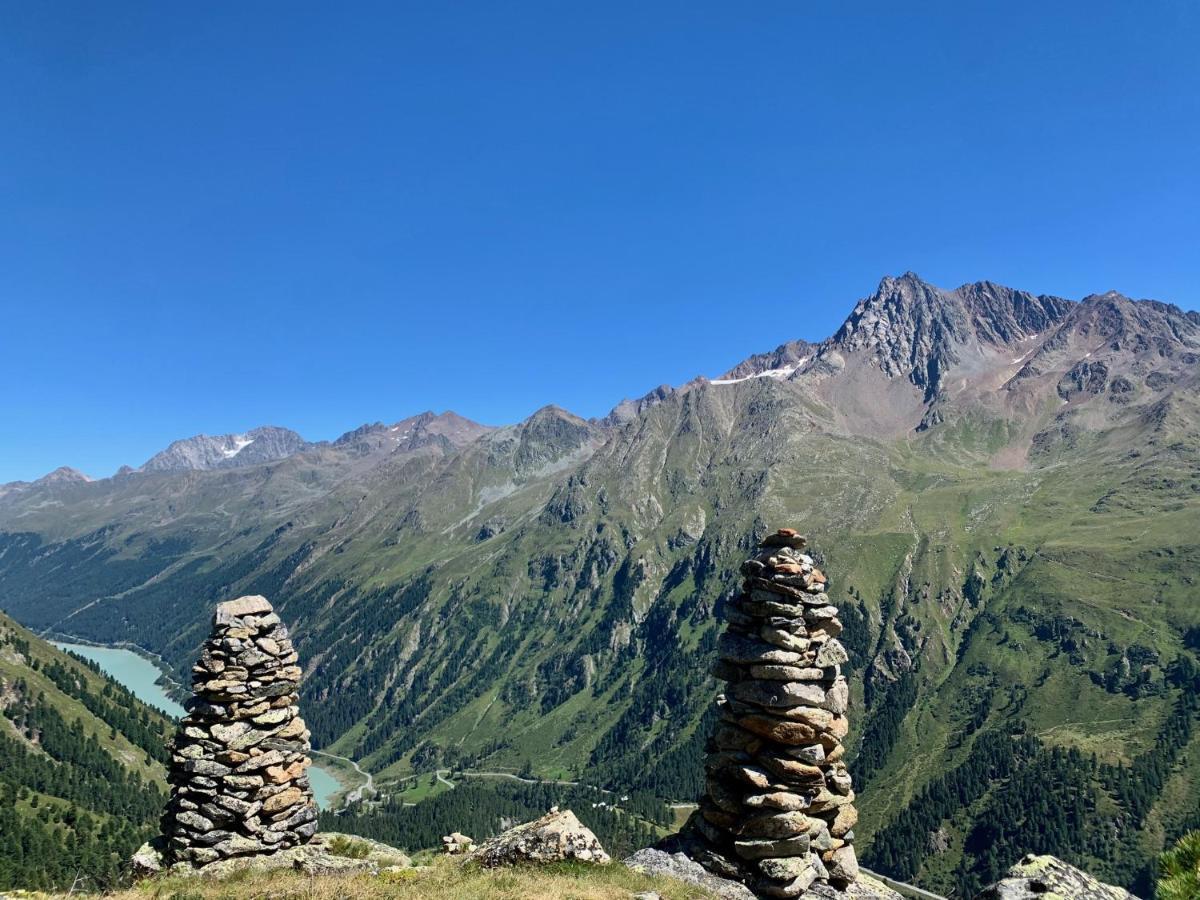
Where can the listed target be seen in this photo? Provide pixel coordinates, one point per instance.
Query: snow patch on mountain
(781, 372)
(240, 443)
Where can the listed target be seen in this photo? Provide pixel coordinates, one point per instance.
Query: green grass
(443, 878)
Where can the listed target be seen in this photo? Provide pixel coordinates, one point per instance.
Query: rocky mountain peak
(912, 328)
(412, 433)
(547, 437)
(1136, 324)
(459, 430)
(780, 362)
(202, 452)
(628, 410)
(63, 475)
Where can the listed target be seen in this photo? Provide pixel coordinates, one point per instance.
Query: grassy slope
(14, 666)
(1109, 542)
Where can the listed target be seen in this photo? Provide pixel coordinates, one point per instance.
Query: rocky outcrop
(1041, 877)
(779, 811)
(328, 853)
(678, 865)
(239, 785)
(555, 837)
(671, 862)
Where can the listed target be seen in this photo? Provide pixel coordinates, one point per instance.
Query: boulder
(865, 888)
(1041, 877)
(457, 843)
(555, 837)
(149, 859)
(681, 867)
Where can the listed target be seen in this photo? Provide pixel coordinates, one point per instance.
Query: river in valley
(139, 675)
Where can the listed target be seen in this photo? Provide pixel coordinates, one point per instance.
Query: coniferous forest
(80, 773)
(1026, 797)
(483, 809)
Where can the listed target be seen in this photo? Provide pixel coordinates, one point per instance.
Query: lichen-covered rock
(149, 859)
(681, 867)
(555, 837)
(1043, 877)
(863, 888)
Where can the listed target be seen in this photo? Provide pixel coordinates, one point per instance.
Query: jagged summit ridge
(447, 429)
(780, 362)
(202, 451)
(920, 331)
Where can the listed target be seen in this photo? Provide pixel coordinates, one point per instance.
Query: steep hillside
(1004, 488)
(81, 768)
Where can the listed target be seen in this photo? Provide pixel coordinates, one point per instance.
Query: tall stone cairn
(779, 809)
(238, 780)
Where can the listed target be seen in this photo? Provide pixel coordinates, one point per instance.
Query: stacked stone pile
(779, 810)
(238, 780)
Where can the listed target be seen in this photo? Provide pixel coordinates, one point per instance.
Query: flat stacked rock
(238, 776)
(779, 811)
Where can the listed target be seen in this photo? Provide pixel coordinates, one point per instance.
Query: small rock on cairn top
(238, 780)
(778, 814)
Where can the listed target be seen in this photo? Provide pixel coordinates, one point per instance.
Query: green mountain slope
(82, 781)
(1004, 489)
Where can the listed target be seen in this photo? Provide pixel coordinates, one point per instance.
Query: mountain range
(1004, 489)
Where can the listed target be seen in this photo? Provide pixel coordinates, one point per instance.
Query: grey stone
(761, 849)
(1039, 877)
(555, 837)
(832, 653)
(679, 866)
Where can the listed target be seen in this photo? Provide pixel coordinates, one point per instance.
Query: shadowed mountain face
(1004, 489)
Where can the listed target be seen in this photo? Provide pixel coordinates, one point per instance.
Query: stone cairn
(778, 814)
(238, 780)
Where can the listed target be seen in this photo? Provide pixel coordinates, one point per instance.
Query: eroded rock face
(1040, 877)
(239, 785)
(778, 814)
(555, 837)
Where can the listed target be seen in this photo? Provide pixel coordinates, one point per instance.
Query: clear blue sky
(220, 215)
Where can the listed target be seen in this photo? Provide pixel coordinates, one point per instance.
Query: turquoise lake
(139, 675)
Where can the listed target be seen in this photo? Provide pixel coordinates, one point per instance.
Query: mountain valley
(1003, 488)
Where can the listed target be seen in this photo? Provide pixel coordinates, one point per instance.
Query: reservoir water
(139, 675)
